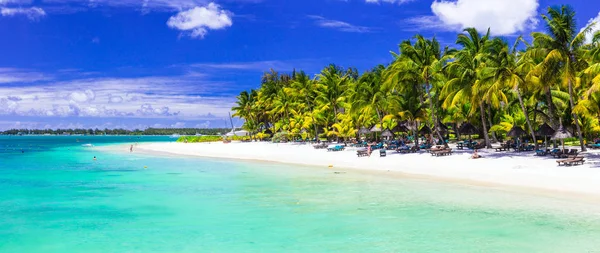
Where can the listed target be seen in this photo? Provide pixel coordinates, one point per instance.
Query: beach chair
(541, 152)
(362, 153)
(571, 160)
(382, 153)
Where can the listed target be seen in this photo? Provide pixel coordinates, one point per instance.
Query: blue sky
(180, 63)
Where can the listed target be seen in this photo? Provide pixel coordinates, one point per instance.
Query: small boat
(87, 145)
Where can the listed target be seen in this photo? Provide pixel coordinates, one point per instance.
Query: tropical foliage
(484, 80)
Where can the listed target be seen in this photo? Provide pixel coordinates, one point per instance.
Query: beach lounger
(362, 153)
(577, 160)
(540, 152)
(444, 152)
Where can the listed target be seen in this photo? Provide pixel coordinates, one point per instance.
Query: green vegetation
(149, 131)
(484, 80)
(210, 138)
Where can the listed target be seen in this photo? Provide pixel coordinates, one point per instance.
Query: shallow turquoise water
(55, 198)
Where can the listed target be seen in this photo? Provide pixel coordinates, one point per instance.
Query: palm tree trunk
(433, 116)
(457, 131)
(485, 132)
(575, 117)
(489, 111)
(550, 108)
(335, 120)
(416, 133)
(526, 116)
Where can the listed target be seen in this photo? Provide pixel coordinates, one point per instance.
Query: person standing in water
(131, 148)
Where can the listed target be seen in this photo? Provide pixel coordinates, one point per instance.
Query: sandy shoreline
(496, 168)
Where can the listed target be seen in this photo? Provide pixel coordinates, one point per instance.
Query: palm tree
(564, 46)
(505, 72)
(369, 96)
(304, 90)
(466, 71)
(424, 60)
(245, 109)
(332, 84)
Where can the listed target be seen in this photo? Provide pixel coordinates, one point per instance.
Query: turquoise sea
(55, 198)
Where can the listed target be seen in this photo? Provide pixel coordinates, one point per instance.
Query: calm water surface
(55, 198)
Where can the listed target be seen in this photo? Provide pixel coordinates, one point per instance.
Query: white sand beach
(495, 168)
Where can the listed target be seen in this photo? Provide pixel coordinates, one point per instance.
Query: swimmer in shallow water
(94, 158)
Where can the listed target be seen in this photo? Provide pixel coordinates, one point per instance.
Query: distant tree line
(149, 131)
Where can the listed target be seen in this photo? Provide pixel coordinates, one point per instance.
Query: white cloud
(143, 97)
(82, 96)
(8, 106)
(32, 13)
(197, 21)
(178, 125)
(11, 75)
(112, 99)
(339, 25)
(149, 110)
(595, 29)
(504, 17)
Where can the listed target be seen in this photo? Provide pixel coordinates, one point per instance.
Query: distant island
(148, 131)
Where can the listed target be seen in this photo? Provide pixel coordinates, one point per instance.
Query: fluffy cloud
(148, 110)
(147, 98)
(8, 106)
(82, 96)
(595, 29)
(504, 17)
(112, 99)
(11, 75)
(197, 21)
(32, 13)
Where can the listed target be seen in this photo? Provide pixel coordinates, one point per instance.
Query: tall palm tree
(466, 72)
(506, 74)
(370, 96)
(332, 84)
(304, 90)
(564, 45)
(424, 60)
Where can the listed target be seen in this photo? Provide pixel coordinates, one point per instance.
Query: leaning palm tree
(564, 45)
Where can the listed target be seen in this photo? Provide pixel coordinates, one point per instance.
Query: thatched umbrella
(387, 133)
(545, 130)
(375, 129)
(425, 130)
(516, 132)
(400, 128)
(561, 135)
(468, 129)
(363, 130)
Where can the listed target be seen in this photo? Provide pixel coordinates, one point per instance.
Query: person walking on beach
(131, 149)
